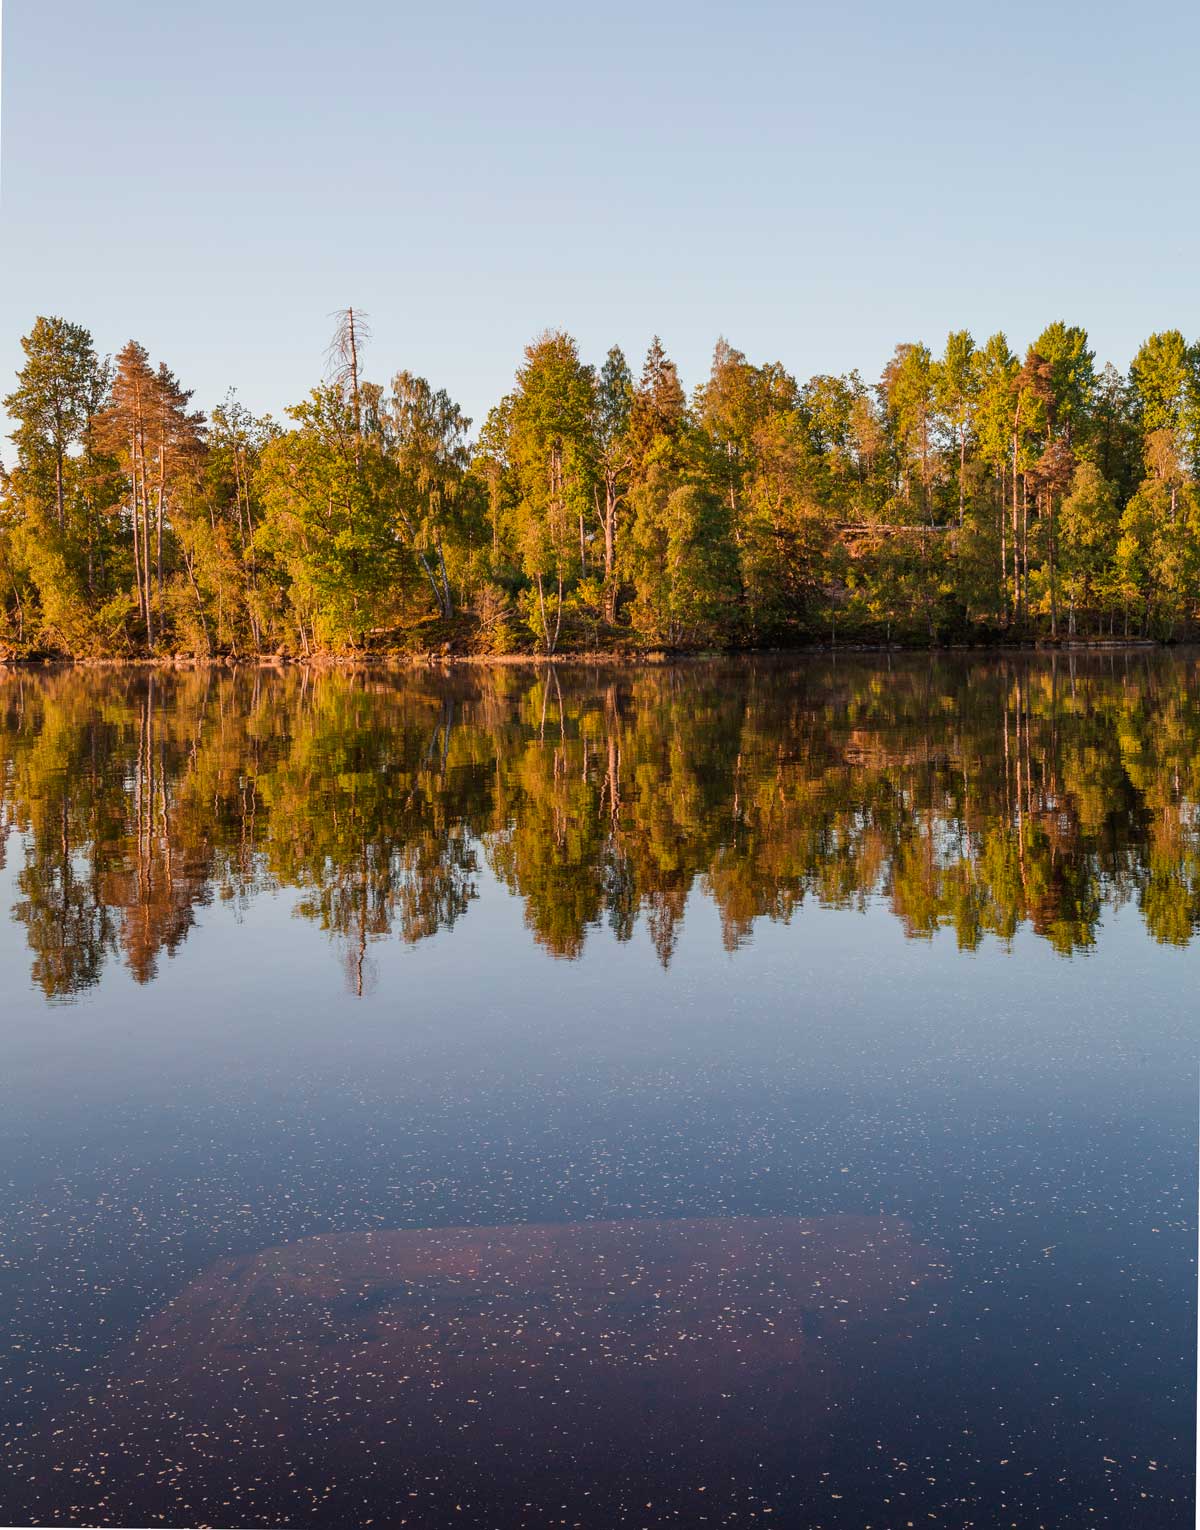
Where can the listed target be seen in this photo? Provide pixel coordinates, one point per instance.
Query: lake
(729, 1092)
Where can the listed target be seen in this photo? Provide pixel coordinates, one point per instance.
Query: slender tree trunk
(542, 608)
(433, 581)
(249, 506)
(1053, 566)
(145, 503)
(146, 577)
(610, 549)
(237, 489)
(558, 613)
(60, 498)
(17, 597)
(1003, 555)
(1015, 538)
(447, 598)
(187, 563)
(158, 513)
(133, 508)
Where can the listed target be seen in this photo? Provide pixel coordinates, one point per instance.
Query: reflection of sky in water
(1024, 1122)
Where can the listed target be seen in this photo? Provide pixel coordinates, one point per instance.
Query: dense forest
(975, 494)
(984, 797)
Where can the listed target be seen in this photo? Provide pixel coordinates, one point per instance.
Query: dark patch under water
(510, 1361)
(738, 1093)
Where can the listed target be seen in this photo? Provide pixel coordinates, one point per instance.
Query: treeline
(985, 798)
(975, 493)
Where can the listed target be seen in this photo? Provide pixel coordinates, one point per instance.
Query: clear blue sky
(817, 182)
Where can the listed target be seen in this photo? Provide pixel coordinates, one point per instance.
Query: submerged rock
(497, 1361)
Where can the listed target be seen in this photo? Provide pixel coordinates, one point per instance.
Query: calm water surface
(734, 1093)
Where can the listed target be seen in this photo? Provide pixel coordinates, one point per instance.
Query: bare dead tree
(352, 331)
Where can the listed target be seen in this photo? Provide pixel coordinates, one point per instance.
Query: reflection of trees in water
(985, 796)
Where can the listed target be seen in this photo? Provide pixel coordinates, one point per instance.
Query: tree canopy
(975, 491)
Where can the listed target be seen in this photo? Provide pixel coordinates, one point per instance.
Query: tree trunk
(610, 549)
(140, 450)
(433, 582)
(146, 554)
(58, 486)
(542, 608)
(558, 613)
(1015, 538)
(133, 510)
(447, 598)
(1003, 555)
(187, 563)
(158, 514)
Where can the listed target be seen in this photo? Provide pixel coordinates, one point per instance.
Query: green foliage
(1071, 375)
(424, 440)
(965, 493)
(325, 524)
(681, 563)
(551, 450)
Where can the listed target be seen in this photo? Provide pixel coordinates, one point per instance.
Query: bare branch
(351, 333)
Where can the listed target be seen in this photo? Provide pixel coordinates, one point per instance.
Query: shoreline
(633, 659)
